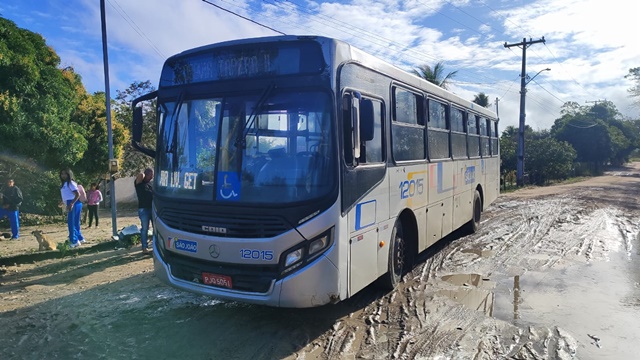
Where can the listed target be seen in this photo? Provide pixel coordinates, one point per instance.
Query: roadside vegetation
(584, 141)
(48, 121)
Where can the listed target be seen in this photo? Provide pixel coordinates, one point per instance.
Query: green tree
(36, 101)
(598, 134)
(481, 99)
(548, 159)
(634, 91)
(435, 75)
(133, 160)
(508, 150)
(91, 114)
(47, 120)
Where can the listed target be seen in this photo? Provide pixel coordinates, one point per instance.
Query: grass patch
(130, 241)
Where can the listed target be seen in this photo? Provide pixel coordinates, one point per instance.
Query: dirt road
(553, 273)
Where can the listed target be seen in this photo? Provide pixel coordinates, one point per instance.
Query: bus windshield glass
(269, 147)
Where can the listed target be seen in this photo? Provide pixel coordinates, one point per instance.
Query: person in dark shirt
(11, 201)
(144, 191)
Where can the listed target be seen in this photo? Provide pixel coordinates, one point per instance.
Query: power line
(243, 17)
(504, 18)
(368, 37)
(542, 87)
(374, 38)
(449, 17)
(469, 15)
(135, 27)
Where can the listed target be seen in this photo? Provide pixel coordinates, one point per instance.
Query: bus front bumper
(316, 284)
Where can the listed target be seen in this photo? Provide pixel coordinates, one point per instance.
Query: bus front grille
(225, 225)
(255, 279)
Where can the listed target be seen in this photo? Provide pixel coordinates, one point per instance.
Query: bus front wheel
(474, 223)
(397, 256)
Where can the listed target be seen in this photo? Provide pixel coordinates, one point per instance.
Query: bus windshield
(269, 147)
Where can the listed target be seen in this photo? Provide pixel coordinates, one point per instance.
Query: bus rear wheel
(397, 257)
(474, 223)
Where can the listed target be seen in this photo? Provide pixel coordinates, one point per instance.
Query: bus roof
(358, 56)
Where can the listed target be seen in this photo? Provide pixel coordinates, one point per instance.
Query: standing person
(11, 201)
(71, 198)
(94, 197)
(144, 191)
(83, 199)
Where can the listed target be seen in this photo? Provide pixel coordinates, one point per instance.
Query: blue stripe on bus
(440, 181)
(358, 224)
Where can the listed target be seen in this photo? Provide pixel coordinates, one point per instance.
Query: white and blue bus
(294, 171)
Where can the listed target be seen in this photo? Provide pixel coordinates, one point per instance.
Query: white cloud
(590, 45)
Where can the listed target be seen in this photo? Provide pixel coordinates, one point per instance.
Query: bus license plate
(217, 280)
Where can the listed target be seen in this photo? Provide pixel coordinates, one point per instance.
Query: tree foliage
(92, 115)
(481, 99)
(48, 121)
(134, 160)
(435, 74)
(546, 158)
(37, 100)
(634, 91)
(598, 134)
(509, 150)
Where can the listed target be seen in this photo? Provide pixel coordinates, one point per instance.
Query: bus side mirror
(136, 124)
(136, 127)
(366, 120)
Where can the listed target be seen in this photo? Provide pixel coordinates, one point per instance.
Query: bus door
(365, 190)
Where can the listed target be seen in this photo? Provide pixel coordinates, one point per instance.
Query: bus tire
(474, 223)
(397, 257)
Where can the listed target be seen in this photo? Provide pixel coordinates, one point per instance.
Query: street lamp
(530, 79)
(525, 79)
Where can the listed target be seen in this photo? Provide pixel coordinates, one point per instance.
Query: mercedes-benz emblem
(214, 251)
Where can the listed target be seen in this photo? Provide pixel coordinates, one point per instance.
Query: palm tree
(434, 75)
(481, 99)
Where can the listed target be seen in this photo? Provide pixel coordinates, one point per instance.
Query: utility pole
(114, 225)
(523, 91)
(594, 102)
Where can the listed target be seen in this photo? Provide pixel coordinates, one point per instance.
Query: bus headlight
(293, 257)
(305, 252)
(318, 244)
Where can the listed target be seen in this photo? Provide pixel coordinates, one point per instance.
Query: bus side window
(371, 144)
(473, 138)
(371, 149)
(407, 127)
(438, 135)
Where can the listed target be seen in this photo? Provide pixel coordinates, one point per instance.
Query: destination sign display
(251, 61)
(178, 180)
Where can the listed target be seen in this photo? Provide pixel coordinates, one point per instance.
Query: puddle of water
(474, 291)
(469, 280)
(594, 300)
(479, 252)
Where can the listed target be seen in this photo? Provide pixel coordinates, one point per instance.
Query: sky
(589, 47)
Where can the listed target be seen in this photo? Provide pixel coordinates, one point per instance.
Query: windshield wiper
(242, 142)
(171, 146)
(172, 137)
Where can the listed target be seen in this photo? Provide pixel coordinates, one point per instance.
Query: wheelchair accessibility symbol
(228, 186)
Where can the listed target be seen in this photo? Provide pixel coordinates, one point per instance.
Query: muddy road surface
(553, 273)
